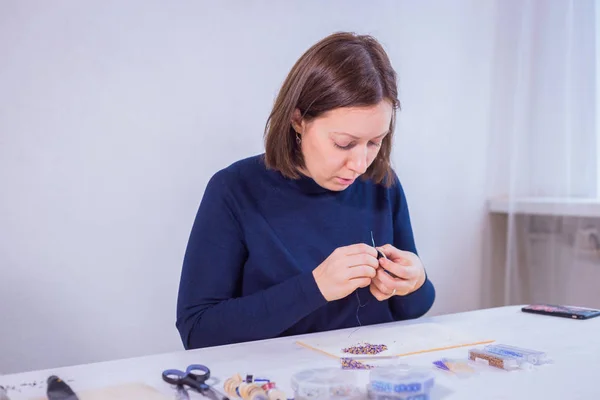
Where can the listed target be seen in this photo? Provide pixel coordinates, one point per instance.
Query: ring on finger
(394, 292)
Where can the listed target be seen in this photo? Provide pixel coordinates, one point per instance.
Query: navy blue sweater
(257, 237)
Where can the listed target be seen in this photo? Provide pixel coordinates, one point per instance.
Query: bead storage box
(484, 357)
(533, 357)
(509, 358)
(401, 382)
(326, 383)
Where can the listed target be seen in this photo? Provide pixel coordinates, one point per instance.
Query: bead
(366, 348)
(349, 363)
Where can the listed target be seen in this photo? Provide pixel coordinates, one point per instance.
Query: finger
(389, 281)
(360, 282)
(361, 271)
(361, 259)
(381, 286)
(402, 286)
(397, 255)
(401, 271)
(378, 294)
(359, 248)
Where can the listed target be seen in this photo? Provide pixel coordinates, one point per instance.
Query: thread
(357, 310)
(359, 307)
(358, 300)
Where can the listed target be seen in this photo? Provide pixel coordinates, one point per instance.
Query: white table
(574, 345)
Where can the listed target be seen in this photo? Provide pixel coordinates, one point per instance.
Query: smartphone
(573, 312)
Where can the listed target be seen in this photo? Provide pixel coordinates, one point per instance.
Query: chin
(337, 186)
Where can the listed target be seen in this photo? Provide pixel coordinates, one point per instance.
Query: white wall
(113, 116)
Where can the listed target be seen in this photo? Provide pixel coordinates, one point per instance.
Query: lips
(345, 181)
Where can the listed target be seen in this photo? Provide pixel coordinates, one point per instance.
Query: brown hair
(341, 70)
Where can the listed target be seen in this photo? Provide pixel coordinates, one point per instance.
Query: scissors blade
(3, 394)
(182, 394)
(214, 394)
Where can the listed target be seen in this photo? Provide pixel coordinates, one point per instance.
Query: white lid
(401, 379)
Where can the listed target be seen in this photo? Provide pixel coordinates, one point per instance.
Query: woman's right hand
(345, 270)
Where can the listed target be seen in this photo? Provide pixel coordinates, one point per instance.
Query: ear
(297, 122)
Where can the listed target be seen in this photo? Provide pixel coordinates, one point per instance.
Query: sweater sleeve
(210, 308)
(417, 303)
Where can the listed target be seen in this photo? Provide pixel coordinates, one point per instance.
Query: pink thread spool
(273, 392)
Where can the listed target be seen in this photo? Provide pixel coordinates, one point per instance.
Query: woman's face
(341, 144)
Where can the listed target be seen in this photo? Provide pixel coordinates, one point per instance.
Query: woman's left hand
(405, 265)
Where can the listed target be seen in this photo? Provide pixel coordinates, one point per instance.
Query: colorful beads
(349, 363)
(366, 348)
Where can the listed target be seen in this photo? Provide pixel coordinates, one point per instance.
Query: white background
(114, 115)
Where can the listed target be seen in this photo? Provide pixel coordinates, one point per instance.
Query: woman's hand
(405, 265)
(345, 270)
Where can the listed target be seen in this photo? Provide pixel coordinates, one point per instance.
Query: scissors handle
(196, 373)
(173, 376)
(201, 372)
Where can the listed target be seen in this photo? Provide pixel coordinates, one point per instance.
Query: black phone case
(570, 312)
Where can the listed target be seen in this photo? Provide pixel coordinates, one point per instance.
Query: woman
(282, 242)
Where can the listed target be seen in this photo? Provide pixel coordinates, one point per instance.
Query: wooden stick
(446, 348)
(358, 356)
(318, 350)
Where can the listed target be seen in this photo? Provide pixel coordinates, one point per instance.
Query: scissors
(3, 394)
(195, 377)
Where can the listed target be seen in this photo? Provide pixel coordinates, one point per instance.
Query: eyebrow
(355, 137)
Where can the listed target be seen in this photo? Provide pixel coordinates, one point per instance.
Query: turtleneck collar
(308, 185)
(304, 183)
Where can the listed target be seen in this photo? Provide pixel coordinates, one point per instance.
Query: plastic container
(525, 355)
(401, 382)
(484, 357)
(326, 383)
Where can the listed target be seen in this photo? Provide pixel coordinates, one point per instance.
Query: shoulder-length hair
(341, 70)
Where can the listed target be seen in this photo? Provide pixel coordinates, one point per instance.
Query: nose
(357, 161)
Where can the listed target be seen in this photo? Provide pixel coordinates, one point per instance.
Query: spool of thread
(231, 385)
(251, 391)
(272, 392)
(253, 379)
(237, 387)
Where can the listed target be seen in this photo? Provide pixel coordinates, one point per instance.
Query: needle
(381, 255)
